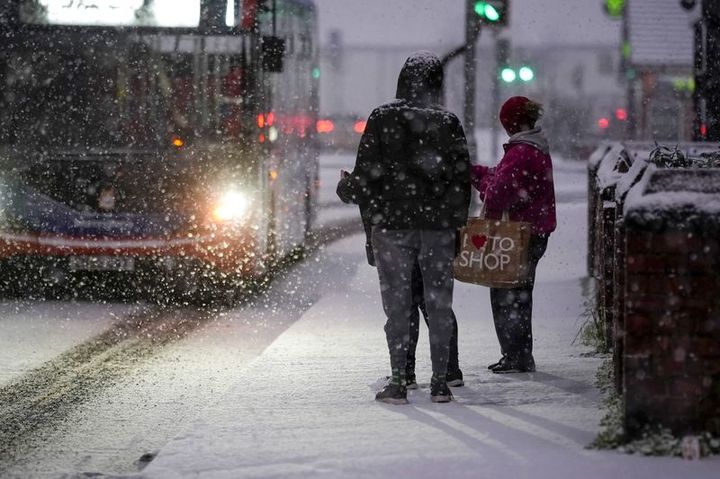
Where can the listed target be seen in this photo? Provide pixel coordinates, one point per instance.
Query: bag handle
(505, 214)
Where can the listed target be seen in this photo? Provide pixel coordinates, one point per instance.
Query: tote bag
(493, 252)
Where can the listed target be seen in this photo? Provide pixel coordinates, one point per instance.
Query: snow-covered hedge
(685, 196)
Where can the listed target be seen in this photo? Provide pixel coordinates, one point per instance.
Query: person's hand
(344, 187)
(478, 172)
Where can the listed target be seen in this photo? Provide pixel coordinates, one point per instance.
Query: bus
(168, 141)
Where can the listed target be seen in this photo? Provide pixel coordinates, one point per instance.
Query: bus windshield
(127, 91)
(90, 97)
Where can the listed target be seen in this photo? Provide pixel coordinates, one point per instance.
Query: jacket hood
(534, 137)
(421, 78)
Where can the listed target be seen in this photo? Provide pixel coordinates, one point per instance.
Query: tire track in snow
(46, 395)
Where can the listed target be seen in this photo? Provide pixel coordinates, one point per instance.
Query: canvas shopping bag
(493, 253)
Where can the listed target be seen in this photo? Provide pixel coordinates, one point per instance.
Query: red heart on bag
(479, 240)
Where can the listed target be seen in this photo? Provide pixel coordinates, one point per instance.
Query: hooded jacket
(412, 169)
(522, 183)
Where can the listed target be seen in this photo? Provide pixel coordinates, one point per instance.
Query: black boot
(496, 363)
(392, 393)
(510, 365)
(411, 379)
(455, 378)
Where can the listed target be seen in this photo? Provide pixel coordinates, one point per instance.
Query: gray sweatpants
(396, 252)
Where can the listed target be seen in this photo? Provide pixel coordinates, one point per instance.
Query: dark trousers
(418, 297)
(512, 308)
(397, 254)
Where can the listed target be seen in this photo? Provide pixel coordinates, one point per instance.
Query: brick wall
(618, 308)
(606, 292)
(671, 360)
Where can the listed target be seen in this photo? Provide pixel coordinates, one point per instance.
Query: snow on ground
(36, 332)
(305, 408)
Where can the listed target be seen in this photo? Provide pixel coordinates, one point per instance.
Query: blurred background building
(658, 55)
(616, 69)
(578, 84)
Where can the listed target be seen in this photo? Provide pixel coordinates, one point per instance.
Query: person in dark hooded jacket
(412, 182)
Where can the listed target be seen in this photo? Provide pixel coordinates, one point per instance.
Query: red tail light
(325, 126)
(359, 126)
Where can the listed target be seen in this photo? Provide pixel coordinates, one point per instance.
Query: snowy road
(96, 386)
(123, 394)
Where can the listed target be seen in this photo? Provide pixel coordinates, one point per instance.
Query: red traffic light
(621, 114)
(603, 123)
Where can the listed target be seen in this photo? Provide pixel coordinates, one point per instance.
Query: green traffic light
(316, 73)
(526, 74)
(615, 8)
(487, 11)
(508, 75)
(491, 13)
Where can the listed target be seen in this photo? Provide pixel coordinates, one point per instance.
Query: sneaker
(440, 392)
(392, 394)
(509, 366)
(455, 378)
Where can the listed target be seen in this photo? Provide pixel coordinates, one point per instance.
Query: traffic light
(508, 75)
(615, 8)
(524, 73)
(506, 71)
(492, 12)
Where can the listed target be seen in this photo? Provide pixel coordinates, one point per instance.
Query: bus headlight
(233, 206)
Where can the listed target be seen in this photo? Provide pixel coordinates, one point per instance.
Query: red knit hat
(514, 113)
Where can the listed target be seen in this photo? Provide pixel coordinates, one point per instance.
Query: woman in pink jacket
(522, 184)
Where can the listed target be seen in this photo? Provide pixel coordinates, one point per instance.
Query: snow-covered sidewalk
(305, 408)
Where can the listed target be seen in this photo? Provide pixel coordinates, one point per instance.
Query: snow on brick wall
(682, 198)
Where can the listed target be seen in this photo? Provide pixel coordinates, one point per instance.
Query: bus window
(180, 70)
(233, 92)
